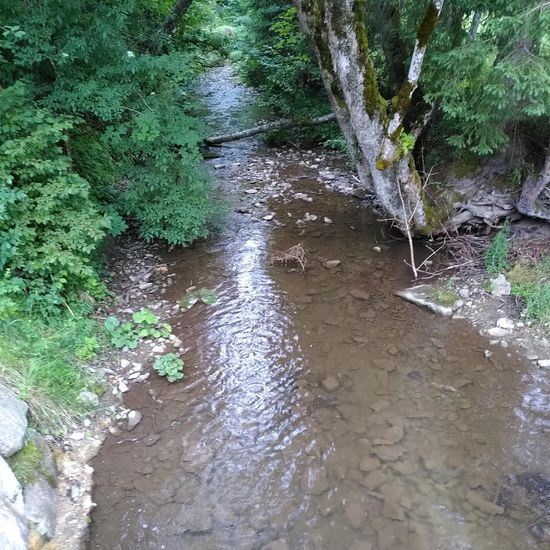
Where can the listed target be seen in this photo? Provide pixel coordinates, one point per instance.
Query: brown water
(312, 414)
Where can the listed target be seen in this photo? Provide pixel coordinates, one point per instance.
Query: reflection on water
(319, 410)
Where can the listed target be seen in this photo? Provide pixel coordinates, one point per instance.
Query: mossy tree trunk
(371, 124)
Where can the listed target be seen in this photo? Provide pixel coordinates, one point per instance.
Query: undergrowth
(40, 359)
(496, 256)
(531, 283)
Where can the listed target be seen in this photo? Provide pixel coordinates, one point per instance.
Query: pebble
(359, 294)
(374, 479)
(330, 383)
(123, 387)
(327, 220)
(505, 323)
(377, 249)
(368, 464)
(315, 480)
(497, 332)
(331, 264)
(355, 514)
(134, 418)
(482, 504)
(388, 453)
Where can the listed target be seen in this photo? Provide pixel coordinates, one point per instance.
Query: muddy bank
(318, 409)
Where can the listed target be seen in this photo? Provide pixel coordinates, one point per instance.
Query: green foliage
(496, 255)
(95, 123)
(49, 224)
(170, 366)
(26, 463)
(145, 324)
(531, 283)
(39, 360)
(193, 296)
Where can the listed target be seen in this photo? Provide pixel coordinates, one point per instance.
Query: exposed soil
(318, 410)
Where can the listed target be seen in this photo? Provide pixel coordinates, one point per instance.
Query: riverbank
(290, 427)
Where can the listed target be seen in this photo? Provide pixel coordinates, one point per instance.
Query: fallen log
(268, 127)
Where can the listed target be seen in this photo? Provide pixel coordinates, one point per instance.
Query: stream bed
(318, 410)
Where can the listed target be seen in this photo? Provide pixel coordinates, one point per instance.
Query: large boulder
(13, 527)
(13, 422)
(40, 506)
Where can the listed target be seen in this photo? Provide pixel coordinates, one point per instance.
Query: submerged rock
(315, 480)
(427, 296)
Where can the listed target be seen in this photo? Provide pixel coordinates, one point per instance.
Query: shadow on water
(319, 410)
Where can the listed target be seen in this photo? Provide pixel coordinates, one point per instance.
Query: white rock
(327, 220)
(88, 398)
(464, 293)
(377, 249)
(13, 421)
(123, 387)
(500, 286)
(505, 323)
(497, 332)
(13, 528)
(544, 363)
(134, 418)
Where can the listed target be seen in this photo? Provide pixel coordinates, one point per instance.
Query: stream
(318, 410)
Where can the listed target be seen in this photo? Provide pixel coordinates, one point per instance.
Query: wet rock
(368, 464)
(500, 286)
(361, 545)
(482, 504)
(388, 453)
(195, 519)
(40, 506)
(331, 264)
(393, 497)
(423, 295)
(497, 332)
(134, 418)
(315, 480)
(405, 467)
(279, 544)
(13, 422)
(328, 503)
(330, 383)
(359, 294)
(196, 456)
(88, 398)
(375, 479)
(505, 323)
(355, 514)
(384, 364)
(391, 436)
(150, 440)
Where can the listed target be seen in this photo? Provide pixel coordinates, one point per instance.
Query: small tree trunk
(532, 188)
(172, 20)
(338, 33)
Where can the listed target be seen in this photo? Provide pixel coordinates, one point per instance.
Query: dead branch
(269, 127)
(295, 256)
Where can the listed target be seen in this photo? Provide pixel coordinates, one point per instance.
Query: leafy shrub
(170, 366)
(496, 256)
(144, 324)
(50, 225)
(531, 282)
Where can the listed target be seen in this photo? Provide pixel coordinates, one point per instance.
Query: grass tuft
(39, 360)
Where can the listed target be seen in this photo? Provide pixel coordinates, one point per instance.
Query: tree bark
(532, 188)
(382, 159)
(268, 127)
(172, 20)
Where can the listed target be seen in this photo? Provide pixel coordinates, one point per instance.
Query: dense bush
(50, 223)
(94, 123)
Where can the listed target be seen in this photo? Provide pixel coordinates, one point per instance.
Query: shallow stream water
(319, 411)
